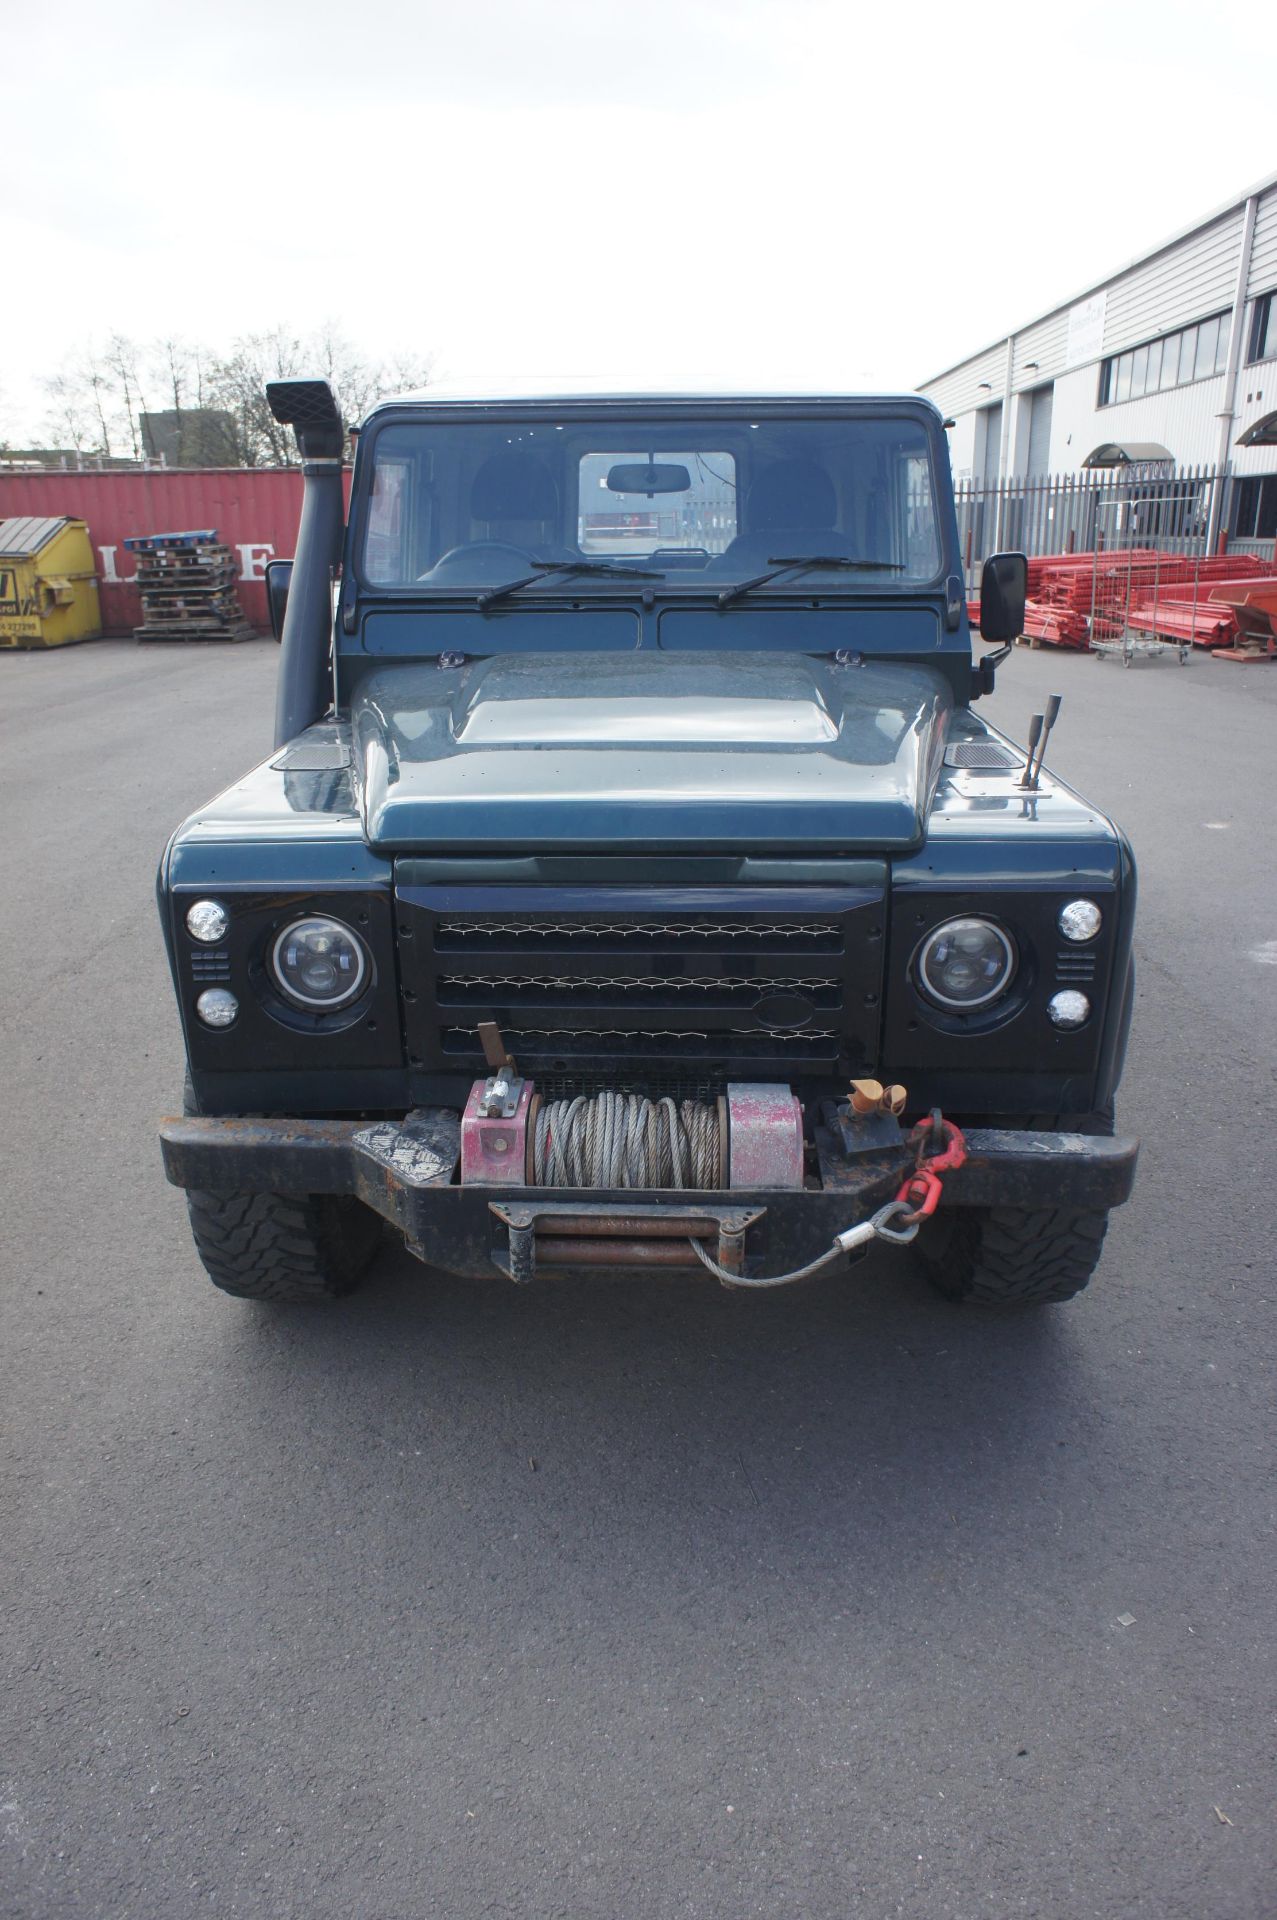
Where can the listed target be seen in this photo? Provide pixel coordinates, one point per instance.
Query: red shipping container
(254, 509)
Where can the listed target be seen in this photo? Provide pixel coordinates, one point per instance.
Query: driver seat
(514, 499)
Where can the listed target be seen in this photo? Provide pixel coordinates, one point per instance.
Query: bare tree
(181, 369)
(98, 398)
(70, 417)
(97, 386)
(123, 363)
(93, 398)
(238, 385)
(405, 373)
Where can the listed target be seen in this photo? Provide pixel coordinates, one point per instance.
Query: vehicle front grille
(764, 988)
(607, 988)
(628, 936)
(629, 1043)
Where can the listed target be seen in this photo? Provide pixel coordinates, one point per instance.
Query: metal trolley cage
(1142, 646)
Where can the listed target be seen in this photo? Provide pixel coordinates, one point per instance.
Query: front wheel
(283, 1246)
(1010, 1257)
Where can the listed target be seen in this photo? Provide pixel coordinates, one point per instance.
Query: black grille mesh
(681, 999)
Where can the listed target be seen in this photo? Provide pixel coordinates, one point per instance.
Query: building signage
(1086, 331)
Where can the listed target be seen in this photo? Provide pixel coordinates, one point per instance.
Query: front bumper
(406, 1171)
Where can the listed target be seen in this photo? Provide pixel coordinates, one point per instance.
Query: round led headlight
(319, 963)
(216, 1007)
(1068, 1010)
(1080, 920)
(965, 964)
(207, 920)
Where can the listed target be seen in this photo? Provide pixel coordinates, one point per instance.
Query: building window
(1194, 353)
(1255, 516)
(1263, 330)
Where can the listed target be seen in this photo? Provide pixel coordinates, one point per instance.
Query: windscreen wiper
(546, 568)
(779, 566)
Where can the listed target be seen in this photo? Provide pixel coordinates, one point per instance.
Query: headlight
(216, 1007)
(207, 920)
(1080, 920)
(965, 964)
(1068, 1010)
(319, 963)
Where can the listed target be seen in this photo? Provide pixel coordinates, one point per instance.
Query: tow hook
(941, 1147)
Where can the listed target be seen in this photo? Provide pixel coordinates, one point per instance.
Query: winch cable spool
(624, 1140)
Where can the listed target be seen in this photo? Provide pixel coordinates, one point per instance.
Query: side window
(922, 543)
(386, 559)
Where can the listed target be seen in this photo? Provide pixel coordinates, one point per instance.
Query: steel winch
(750, 1136)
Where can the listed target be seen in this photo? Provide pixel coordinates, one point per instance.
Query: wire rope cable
(879, 1226)
(624, 1140)
(765, 1280)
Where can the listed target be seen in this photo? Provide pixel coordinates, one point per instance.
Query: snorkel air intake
(305, 679)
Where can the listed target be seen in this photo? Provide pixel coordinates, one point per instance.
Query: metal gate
(1156, 508)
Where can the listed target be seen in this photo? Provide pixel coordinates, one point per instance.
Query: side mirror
(278, 575)
(1004, 586)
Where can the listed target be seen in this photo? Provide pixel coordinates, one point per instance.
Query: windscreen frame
(625, 419)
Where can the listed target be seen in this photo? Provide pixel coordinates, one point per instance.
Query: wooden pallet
(195, 630)
(186, 582)
(1266, 651)
(210, 601)
(187, 587)
(158, 542)
(219, 561)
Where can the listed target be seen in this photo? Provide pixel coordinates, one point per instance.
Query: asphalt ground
(633, 1598)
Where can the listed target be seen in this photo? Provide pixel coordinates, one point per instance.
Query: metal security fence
(1184, 511)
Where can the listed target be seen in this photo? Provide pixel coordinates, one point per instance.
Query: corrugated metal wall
(1263, 256)
(1196, 277)
(1182, 283)
(1044, 342)
(254, 509)
(960, 390)
(1185, 420)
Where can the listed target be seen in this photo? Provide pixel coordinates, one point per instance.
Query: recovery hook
(921, 1192)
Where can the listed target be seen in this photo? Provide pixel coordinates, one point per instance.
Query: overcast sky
(670, 191)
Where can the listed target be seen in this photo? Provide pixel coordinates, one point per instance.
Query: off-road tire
(283, 1246)
(1010, 1258)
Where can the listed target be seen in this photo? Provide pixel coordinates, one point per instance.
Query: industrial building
(1168, 363)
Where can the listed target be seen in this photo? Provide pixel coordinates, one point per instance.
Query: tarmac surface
(636, 1598)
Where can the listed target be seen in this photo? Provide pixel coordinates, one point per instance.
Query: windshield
(465, 507)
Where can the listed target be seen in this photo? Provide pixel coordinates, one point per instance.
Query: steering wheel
(481, 551)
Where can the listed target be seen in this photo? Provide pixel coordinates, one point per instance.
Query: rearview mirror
(668, 478)
(278, 575)
(1004, 585)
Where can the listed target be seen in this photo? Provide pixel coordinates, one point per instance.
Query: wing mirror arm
(985, 670)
